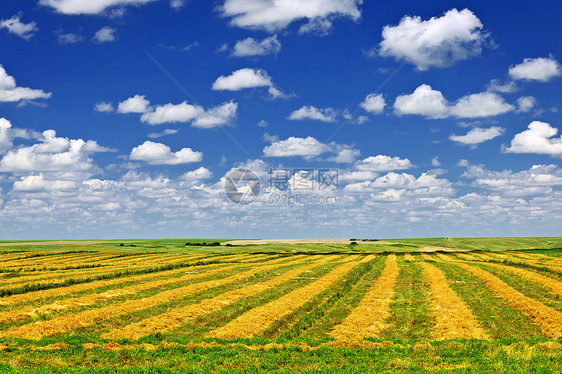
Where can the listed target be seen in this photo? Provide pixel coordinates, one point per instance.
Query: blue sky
(121, 118)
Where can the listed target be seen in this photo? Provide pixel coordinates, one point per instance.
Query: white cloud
(88, 6)
(540, 69)
(9, 92)
(312, 113)
(373, 103)
(102, 106)
(477, 135)
(526, 103)
(216, 116)
(277, 15)
(177, 4)
(5, 135)
(253, 47)
(135, 104)
(38, 182)
(305, 147)
(383, 163)
(438, 42)
(160, 154)
(394, 186)
(15, 26)
(423, 101)
(345, 156)
(154, 135)
(104, 35)
(247, 78)
(435, 162)
(172, 113)
(484, 104)
(52, 155)
(196, 175)
(431, 103)
(538, 138)
(69, 38)
(496, 86)
(263, 123)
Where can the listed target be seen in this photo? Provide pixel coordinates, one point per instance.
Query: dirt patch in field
(298, 241)
(435, 249)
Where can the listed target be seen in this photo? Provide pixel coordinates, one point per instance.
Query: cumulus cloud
(196, 175)
(484, 104)
(277, 15)
(155, 135)
(53, 154)
(135, 104)
(431, 103)
(247, 78)
(345, 156)
(540, 69)
(253, 47)
(396, 186)
(9, 92)
(5, 135)
(305, 147)
(373, 103)
(199, 117)
(477, 135)
(38, 182)
(526, 103)
(382, 163)
(104, 35)
(16, 27)
(177, 4)
(103, 106)
(217, 116)
(497, 86)
(89, 6)
(160, 154)
(423, 101)
(539, 138)
(438, 42)
(313, 113)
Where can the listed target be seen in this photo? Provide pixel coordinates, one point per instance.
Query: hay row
(553, 284)
(505, 257)
(409, 257)
(61, 291)
(454, 318)
(67, 323)
(176, 317)
(547, 319)
(368, 318)
(252, 322)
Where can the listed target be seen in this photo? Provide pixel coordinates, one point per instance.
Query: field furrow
(258, 319)
(373, 310)
(548, 319)
(453, 317)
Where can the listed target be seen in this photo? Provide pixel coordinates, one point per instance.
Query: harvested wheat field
(309, 305)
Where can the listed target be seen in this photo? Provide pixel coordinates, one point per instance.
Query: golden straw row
(63, 324)
(368, 318)
(252, 322)
(454, 318)
(553, 284)
(177, 317)
(549, 320)
(36, 295)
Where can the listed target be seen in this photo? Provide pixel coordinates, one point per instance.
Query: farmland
(442, 304)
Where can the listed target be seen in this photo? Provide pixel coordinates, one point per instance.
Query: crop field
(161, 306)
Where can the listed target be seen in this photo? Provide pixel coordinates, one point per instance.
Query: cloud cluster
(273, 16)
(431, 103)
(373, 103)
(104, 35)
(313, 113)
(309, 148)
(198, 116)
(10, 92)
(477, 135)
(438, 42)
